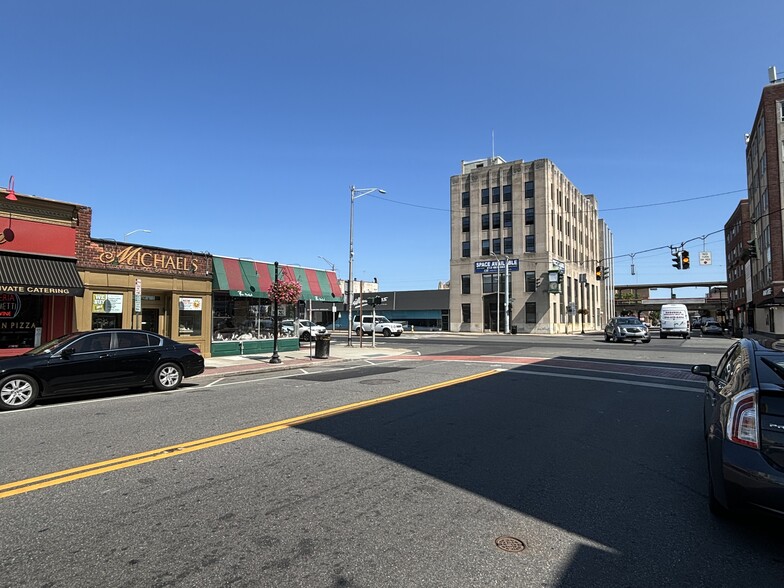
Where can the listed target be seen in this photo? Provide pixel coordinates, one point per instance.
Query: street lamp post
(125, 236)
(355, 193)
(498, 293)
(275, 357)
(506, 294)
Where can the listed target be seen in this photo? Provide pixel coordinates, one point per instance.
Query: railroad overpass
(635, 298)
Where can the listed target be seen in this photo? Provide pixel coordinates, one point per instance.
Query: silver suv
(383, 326)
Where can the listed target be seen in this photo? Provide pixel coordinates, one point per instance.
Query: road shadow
(589, 457)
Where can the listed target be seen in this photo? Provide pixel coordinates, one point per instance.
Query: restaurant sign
(137, 257)
(10, 304)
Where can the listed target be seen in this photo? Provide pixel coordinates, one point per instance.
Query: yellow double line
(118, 463)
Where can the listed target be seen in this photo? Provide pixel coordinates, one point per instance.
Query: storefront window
(247, 318)
(190, 316)
(107, 310)
(19, 318)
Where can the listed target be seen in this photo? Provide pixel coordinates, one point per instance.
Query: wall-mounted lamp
(11, 195)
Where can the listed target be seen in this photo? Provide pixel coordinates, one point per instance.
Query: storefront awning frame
(43, 276)
(252, 279)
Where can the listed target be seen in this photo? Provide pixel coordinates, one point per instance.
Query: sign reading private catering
(494, 266)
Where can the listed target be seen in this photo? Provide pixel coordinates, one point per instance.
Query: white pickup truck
(383, 326)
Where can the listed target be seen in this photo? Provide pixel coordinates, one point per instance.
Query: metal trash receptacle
(514, 329)
(322, 346)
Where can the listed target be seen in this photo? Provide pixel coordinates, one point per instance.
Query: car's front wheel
(167, 377)
(305, 336)
(18, 391)
(606, 338)
(386, 332)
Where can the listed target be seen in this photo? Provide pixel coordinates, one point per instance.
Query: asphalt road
(586, 456)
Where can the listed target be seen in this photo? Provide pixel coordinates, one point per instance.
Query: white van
(674, 320)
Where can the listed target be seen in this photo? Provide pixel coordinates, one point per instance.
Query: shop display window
(242, 319)
(190, 316)
(20, 315)
(107, 310)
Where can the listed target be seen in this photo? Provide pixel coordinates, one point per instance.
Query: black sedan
(93, 361)
(744, 428)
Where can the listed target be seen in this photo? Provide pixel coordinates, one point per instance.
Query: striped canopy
(252, 279)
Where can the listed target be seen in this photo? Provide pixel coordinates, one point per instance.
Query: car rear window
(765, 374)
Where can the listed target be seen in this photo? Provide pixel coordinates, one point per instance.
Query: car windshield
(628, 321)
(51, 345)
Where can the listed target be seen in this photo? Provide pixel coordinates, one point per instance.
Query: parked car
(711, 327)
(382, 325)
(626, 328)
(744, 428)
(96, 360)
(307, 329)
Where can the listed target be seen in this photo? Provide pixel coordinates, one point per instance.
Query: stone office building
(525, 223)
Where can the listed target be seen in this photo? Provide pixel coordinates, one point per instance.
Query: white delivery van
(674, 320)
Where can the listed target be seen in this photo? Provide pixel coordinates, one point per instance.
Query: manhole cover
(510, 544)
(379, 381)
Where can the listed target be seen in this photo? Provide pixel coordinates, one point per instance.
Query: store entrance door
(150, 318)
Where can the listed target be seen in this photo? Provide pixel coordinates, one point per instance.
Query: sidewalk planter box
(252, 346)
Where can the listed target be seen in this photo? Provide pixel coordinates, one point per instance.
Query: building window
(485, 196)
(529, 216)
(466, 311)
(485, 246)
(530, 312)
(465, 281)
(493, 283)
(508, 245)
(466, 196)
(466, 224)
(485, 222)
(496, 220)
(496, 245)
(530, 281)
(529, 189)
(508, 217)
(530, 244)
(496, 194)
(466, 248)
(508, 193)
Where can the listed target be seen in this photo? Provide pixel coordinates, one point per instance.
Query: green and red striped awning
(252, 279)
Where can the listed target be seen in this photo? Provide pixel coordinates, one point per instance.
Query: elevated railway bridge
(636, 298)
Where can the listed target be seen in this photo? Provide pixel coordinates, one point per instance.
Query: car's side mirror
(702, 369)
(67, 353)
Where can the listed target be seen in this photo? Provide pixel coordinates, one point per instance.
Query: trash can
(322, 346)
(514, 329)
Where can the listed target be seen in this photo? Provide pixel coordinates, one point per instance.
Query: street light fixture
(498, 293)
(355, 193)
(136, 231)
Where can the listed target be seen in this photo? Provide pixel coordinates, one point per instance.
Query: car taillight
(195, 349)
(742, 419)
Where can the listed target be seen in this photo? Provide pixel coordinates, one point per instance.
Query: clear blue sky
(237, 127)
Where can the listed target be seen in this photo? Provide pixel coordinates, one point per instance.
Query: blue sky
(237, 127)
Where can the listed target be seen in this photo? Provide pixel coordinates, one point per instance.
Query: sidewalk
(302, 358)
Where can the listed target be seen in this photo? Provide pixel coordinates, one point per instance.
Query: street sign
(138, 288)
(705, 258)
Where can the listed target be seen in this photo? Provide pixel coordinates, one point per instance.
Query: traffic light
(753, 249)
(676, 259)
(685, 262)
(598, 272)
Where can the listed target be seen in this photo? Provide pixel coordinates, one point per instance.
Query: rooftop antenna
(772, 74)
(492, 140)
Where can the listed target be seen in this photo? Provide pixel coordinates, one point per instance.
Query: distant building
(528, 221)
(764, 172)
(737, 233)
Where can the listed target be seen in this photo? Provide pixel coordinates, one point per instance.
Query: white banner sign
(190, 303)
(705, 258)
